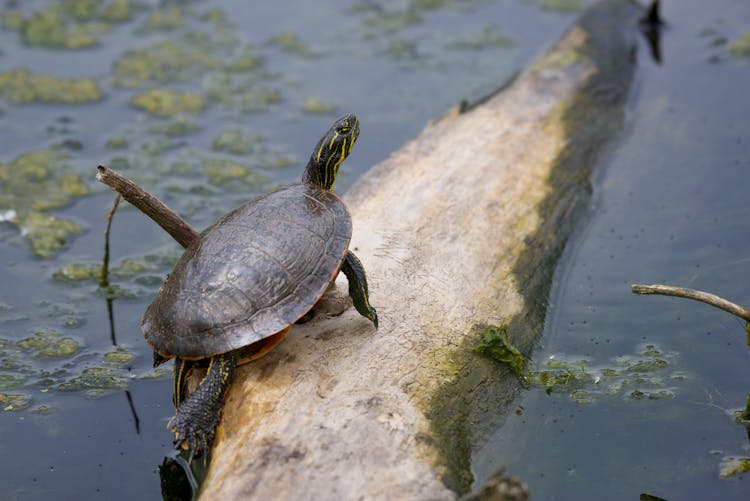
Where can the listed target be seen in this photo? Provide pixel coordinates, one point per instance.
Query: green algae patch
(291, 43)
(741, 46)
(236, 142)
(648, 365)
(225, 173)
(117, 143)
(10, 382)
(11, 19)
(14, 402)
(246, 60)
(162, 63)
(402, 50)
(49, 28)
(494, 342)
(731, 466)
(119, 357)
(167, 103)
(20, 86)
(245, 96)
(130, 267)
(95, 382)
(164, 20)
(78, 272)
(488, 38)
(49, 343)
(560, 5)
(115, 291)
(647, 375)
(117, 11)
(314, 105)
(175, 128)
(388, 22)
(33, 184)
(73, 24)
(743, 416)
(48, 234)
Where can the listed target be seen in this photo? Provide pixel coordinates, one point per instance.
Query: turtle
(239, 287)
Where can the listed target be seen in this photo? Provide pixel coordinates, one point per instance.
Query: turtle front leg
(196, 419)
(355, 274)
(182, 370)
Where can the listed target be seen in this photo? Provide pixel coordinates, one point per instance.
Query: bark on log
(459, 229)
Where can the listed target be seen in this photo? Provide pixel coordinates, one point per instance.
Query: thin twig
(705, 297)
(149, 205)
(104, 277)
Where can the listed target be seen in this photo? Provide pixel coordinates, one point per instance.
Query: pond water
(669, 206)
(84, 413)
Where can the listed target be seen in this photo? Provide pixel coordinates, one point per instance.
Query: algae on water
(14, 402)
(291, 43)
(646, 375)
(315, 105)
(162, 63)
(731, 466)
(234, 141)
(70, 24)
(95, 381)
(49, 343)
(488, 37)
(30, 186)
(167, 103)
(740, 46)
(226, 173)
(20, 86)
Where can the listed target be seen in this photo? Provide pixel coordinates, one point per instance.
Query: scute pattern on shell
(252, 273)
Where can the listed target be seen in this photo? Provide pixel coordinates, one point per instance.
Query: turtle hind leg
(355, 274)
(198, 415)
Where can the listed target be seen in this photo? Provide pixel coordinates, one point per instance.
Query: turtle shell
(251, 274)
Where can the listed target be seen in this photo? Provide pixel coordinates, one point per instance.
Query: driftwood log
(460, 229)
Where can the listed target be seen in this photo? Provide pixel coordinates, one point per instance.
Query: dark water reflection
(670, 206)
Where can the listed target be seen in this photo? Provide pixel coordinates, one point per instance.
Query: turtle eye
(343, 128)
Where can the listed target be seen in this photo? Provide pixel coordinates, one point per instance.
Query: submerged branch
(705, 297)
(149, 205)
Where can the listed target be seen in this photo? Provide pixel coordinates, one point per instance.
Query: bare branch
(705, 297)
(104, 277)
(149, 205)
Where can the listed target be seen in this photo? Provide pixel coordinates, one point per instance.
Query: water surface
(668, 206)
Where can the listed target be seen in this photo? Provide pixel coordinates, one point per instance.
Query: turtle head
(330, 151)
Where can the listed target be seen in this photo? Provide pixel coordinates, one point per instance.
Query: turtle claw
(191, 434)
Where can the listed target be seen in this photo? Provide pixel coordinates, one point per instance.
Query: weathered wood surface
(459, 228)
